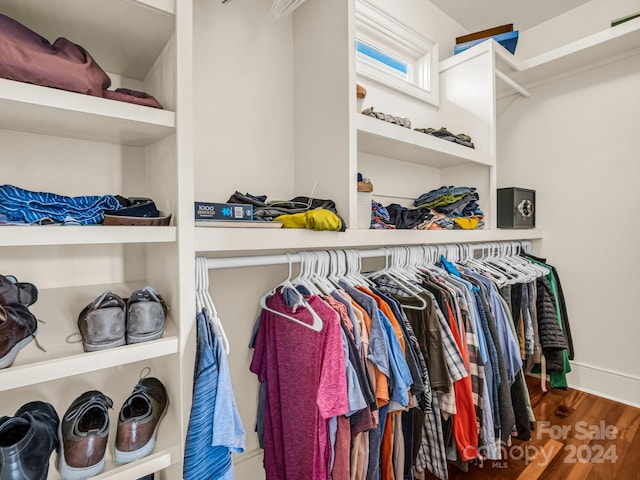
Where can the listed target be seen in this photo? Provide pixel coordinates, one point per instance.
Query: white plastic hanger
(204, 302)
(304, 273)
(319, 276)
(482, 267)
(281, 8)
(354, 269)
(396, 271)
(317, 321)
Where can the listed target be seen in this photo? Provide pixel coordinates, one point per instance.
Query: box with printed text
(223, 211)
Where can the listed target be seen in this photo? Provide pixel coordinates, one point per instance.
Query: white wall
(575, 143)
(243, 81)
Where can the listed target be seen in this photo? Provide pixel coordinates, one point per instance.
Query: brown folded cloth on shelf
(132, 96)
(25, 56)
(28, 57)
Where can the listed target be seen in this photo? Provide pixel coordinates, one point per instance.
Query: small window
(381, 60)
(390, 53)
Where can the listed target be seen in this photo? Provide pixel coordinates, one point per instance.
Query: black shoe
(27, 441)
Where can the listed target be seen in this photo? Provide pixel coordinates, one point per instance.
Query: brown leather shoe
(83, 435)
(139, 420)
(18, 327)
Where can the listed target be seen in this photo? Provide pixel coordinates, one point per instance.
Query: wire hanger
(316, 326)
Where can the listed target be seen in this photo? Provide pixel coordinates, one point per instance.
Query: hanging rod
(283, 259)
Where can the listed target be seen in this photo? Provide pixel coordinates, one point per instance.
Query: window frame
(380, 30)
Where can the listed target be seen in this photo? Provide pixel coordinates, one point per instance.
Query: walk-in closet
(207, 99)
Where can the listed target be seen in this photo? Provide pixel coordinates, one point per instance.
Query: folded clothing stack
(24, 206)
(136, 211)
(299, 212)
(458, 203)
(446, 208)
(20, 206)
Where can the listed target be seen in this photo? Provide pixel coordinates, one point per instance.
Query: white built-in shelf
(166, 453)
(33, 235)
(600, 48)
(157, 460)
(123, 36)
(49, 111)
(59, 308)
(211, 239)
(597, 49)
(385, 139)
(504, 56)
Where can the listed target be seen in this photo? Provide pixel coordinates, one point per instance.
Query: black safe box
(516, 208)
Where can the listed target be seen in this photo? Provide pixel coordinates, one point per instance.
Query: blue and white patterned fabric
(25, 206)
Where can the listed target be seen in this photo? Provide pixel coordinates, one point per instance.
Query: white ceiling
(478, 15)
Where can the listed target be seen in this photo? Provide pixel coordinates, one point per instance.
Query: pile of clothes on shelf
(299, 212)
(25, 56)
(19, 206)
(445, 208)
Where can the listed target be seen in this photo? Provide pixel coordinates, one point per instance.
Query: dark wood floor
(574, 439)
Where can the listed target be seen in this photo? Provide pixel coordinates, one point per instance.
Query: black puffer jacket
(552, 338)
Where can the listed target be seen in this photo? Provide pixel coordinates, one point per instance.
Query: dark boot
(27, 441)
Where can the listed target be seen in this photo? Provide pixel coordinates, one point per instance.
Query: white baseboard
(606, 383)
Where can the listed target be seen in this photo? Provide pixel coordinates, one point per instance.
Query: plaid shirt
(432, 455)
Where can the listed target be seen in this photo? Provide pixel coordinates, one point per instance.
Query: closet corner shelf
(59, 308)
(48, 111)
(245, 239)
(32, 235)
(385, 139)
(601, 47)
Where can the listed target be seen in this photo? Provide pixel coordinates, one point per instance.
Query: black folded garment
(135, 207)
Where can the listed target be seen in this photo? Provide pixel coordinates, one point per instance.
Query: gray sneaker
(102, 323)
(146, 312)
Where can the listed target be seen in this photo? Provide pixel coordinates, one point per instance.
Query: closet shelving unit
(392, 141)
(333, 141)
(247, 239)
(73, 144)
(600, 48)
